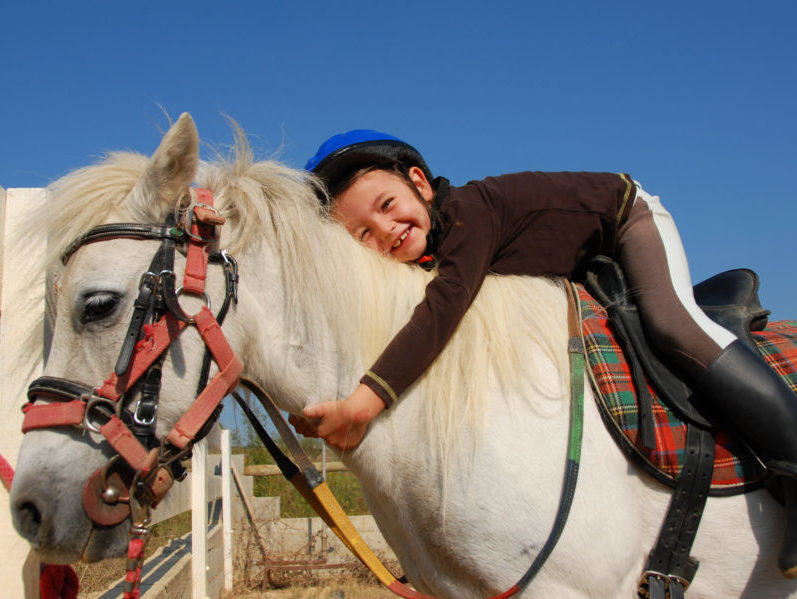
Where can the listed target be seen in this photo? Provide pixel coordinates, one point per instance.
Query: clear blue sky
(696, 100)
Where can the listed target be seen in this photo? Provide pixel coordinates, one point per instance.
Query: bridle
(145, 467)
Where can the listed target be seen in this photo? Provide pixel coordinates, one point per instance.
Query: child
(536, 224)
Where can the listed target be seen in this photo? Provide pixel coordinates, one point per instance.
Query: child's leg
(733, 378)
(654, 261)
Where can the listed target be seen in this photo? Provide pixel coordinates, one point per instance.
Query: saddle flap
(616, 384)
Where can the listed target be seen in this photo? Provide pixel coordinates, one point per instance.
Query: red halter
(148, 475)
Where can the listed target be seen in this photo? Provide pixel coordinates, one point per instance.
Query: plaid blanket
(735, 469)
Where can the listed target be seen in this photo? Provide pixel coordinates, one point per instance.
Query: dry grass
(99, 576)
(288, 575)
(253, 579)
(337, 590)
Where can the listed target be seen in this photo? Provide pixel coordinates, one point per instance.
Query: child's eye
(386, 204)
(364, 235)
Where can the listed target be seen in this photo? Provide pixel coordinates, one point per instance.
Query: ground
(352, 590)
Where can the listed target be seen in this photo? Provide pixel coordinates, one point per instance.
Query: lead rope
(139, 535)
(309, 482)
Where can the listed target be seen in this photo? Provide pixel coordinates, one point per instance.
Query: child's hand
(342, 424)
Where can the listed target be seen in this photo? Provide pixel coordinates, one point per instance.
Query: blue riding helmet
(342, 154)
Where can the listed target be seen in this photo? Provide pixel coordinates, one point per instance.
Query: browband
(123, 230)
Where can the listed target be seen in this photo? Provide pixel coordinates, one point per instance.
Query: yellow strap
(325, 505)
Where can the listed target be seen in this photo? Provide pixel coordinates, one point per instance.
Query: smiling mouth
(401, 238)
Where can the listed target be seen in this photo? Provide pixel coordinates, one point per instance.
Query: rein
(144, 468)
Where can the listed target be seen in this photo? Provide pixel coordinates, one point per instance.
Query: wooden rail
(272, 470)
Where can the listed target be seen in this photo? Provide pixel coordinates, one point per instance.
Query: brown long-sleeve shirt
(530, 223)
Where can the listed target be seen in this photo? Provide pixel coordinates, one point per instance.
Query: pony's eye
(98, 306)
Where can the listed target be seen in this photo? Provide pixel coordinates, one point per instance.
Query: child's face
(387, 214)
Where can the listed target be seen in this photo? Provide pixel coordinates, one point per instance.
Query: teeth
(402, 238)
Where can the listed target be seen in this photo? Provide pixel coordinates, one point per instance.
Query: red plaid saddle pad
(735, 469)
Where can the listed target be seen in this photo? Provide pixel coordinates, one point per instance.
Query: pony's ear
(169, 172)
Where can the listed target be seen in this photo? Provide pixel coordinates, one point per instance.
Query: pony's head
(108, 288)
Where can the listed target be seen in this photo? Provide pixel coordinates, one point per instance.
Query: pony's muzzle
(27, 518)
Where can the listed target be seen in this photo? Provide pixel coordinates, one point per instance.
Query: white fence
(22, 312)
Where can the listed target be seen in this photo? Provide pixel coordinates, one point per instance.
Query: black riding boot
(763, 409)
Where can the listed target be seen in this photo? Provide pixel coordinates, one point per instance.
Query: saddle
(730, 299)
(647, 404)
(654, 415)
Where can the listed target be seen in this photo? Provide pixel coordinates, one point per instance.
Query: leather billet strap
(310, 484)
(670, 569)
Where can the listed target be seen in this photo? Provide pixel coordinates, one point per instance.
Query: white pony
(463, 474)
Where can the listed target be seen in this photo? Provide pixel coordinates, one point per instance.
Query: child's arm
(342, 424)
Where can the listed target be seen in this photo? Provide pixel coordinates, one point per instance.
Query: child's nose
(387, 231)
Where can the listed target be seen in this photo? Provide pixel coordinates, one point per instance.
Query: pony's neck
(339, 304)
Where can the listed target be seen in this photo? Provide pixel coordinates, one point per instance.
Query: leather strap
(53, 414)
(230, 368)
(670, 569)
(201, 231)
(122, 231)
(148, 350)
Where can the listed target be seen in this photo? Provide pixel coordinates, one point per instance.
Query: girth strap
(670, 569)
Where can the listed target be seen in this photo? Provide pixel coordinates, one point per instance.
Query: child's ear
(418, 177)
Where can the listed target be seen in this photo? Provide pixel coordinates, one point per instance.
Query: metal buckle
(684, 582)
(144, 420)
(230, 266)
(95, 401)
(643, 586)
(149, 278)
(189, 219)
(166, 458)
(179, 291)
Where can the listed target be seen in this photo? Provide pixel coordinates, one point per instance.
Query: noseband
(144, 467)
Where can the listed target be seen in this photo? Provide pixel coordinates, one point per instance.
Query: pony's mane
(513, 327)
(512, 332)
(87, 197)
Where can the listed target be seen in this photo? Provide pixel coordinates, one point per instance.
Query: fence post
(22, 308)
(226, 508)
(199, 521)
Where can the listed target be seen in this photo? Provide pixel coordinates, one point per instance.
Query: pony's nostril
(28, 521)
